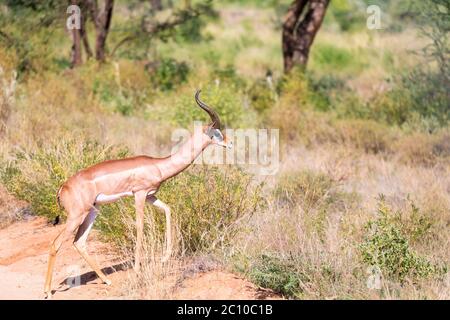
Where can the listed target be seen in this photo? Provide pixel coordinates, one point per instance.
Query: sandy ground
(23, 261)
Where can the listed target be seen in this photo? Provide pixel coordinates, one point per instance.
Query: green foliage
(262, 96)
(191, 29)
(327, 91)
(31, 49)
(419, 98)
(340, 60)
(291, 275)
(347, 14)
(422, 93)
(387, 247)
(226, 74)
(208, 203)
(169, 74)
(113, 98)
(278, 274)
(36, 5)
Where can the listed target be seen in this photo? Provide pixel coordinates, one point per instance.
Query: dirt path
(23, 262)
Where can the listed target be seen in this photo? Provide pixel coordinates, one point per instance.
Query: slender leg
(159, 204)
(139, 198)
(80, 243)
(68, 231)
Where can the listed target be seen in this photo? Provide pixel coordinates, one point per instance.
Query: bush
(328, 57)
(294, 275)
(386, 246)
(346, 14)
(169, 74)
(280, 275)
(208, 203)
(419, 98)
(262, 96)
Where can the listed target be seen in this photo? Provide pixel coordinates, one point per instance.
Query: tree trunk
(83, 32)
(75, 55)
(300, 26)
(102, 22)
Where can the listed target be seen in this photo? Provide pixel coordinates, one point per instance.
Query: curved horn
(214, 116)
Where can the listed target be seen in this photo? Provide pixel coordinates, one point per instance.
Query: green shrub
(262, 96)
(292, 275)
(387, 247)
(169, 74)
(326, 90)
(278, 274)
(346, 14)
(418, 98)
(329, 57)
(208, 203)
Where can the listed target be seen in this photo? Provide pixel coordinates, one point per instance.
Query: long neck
(184, 157)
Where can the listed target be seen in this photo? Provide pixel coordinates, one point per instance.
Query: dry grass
(318, 231)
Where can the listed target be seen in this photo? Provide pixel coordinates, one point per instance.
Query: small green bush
(170, 73)
(330, 57)
(293, 275)
(262, 97)
(208, 203)
(346, 14)
(387, 247)
(277, 274)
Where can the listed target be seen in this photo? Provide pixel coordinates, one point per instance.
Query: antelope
(141, 176)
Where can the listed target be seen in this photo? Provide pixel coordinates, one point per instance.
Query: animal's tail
(58, 200)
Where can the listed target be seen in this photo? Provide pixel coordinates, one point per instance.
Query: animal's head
(214, 129)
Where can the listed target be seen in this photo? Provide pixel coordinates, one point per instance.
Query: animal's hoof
(107, 282)
(48, 296)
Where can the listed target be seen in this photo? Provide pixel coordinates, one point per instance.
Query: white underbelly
(108, 198)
